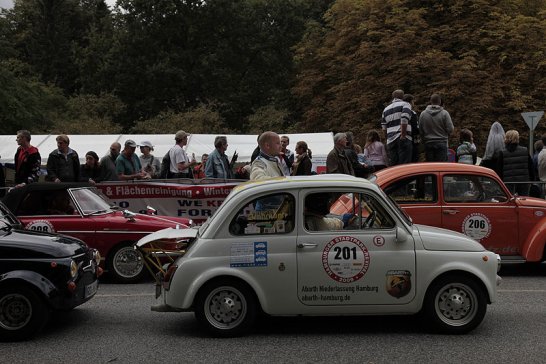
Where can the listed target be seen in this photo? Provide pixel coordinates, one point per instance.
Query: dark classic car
(40, 272)
(82, 211)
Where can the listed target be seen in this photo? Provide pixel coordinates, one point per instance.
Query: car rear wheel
(22, 313)
(125, 264)
(455, 305)
(226, 308)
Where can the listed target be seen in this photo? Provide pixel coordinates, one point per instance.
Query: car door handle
(450, 212)
(307, 245)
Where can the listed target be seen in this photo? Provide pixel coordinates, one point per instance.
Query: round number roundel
(40, 225)
(345, 259)
(477, 226)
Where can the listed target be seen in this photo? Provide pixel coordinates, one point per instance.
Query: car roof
(394, 172)
(14, 196)
(321, 180)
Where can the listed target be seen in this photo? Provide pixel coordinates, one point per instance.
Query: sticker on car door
(345, 259)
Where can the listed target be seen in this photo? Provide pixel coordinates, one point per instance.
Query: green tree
(89, 114)
(201, 120)
(486, 58)
(47, 34)
(234, 54)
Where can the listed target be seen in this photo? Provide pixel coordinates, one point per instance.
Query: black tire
(455, 304)
(125, 264)
(23, 313)
(226, 308)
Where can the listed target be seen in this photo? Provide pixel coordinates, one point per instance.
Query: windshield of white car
(89, 201)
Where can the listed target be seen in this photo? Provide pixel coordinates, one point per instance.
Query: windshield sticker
(253, 254)
(398, 283)
(477, 226)
(40, 225)
(345, 259)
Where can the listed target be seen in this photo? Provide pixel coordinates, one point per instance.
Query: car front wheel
(226, 308)
(125, 264)
(22, 313)
(455, 305)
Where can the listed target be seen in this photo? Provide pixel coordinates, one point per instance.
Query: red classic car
(82, 211)
(472, 200)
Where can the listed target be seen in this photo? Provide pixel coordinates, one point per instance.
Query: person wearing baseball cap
(181, 165)
(128, 166)
(150, 164)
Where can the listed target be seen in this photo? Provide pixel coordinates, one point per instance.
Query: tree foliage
(248, 65)
(486, 58)
(201, 120)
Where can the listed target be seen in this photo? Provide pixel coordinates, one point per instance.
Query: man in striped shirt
(395, 124)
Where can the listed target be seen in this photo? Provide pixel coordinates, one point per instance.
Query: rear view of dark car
(39, 273)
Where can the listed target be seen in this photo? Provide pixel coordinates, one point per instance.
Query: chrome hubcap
(456, 304)
(225, 307)
(128, 262)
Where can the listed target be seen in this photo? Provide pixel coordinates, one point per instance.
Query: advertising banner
(196, 202)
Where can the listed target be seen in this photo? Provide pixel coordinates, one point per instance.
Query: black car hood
(17, 244)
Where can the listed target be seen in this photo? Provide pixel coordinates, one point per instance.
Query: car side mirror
(401, 235)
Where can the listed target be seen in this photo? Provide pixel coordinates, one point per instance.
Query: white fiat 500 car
(287, 246)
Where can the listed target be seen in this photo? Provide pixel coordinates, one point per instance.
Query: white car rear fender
(217, 273)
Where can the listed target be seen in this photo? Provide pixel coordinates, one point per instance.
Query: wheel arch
(533, 247)
(459, 273)
(34, 281)
(225, 276)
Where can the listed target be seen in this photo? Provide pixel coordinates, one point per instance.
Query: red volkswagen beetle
(82, 211)
(472, 200)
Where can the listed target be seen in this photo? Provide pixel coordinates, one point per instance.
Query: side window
(330, 211)
(32, 204)
(59, 203)
(272, 214)
(471, 188)
(415, 189)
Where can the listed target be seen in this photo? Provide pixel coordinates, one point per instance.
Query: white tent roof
(320, 144)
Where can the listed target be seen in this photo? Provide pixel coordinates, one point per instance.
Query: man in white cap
(150, 164)
(128, 165)
(181, 164)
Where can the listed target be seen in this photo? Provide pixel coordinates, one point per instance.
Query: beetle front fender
(533, 248)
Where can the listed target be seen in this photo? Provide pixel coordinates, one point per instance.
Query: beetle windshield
(90, 202)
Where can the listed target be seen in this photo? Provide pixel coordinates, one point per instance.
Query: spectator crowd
(407, 135)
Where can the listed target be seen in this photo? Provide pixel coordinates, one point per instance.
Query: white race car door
(351, 256)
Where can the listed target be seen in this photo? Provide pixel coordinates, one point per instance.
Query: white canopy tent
(320, 144)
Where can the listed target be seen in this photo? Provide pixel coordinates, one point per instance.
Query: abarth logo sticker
(398, 283)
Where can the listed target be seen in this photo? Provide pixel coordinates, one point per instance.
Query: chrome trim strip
(68, 232)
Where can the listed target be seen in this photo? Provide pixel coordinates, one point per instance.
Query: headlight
(73, 269)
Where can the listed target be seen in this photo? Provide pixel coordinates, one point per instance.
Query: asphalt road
(117, 326)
